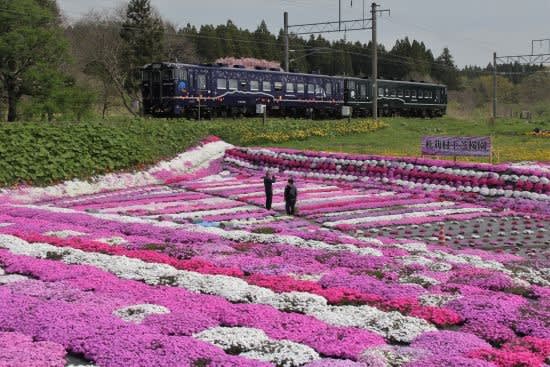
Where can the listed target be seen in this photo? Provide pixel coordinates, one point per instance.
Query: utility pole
(494, 85)
(374, 64)
(287, 61)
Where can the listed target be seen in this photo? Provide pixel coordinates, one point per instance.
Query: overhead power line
(520, 59)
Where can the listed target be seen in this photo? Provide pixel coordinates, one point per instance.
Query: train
(220, 90)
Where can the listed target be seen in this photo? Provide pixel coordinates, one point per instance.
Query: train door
(156, 83)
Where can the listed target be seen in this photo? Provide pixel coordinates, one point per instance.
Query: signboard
(346, 111)
(260, 109)
(477, 146)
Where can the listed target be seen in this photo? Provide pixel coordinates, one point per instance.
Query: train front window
(328, 89)
(201, 81)
(168, 74)
(146, 75)
(363, 90)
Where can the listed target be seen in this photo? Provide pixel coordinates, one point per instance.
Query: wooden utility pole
(494, 85)
(374, 64)
(287, 60)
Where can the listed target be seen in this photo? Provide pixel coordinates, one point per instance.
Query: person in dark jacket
(291, 194)
(269, 180)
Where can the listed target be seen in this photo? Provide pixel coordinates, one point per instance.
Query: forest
(51, 68)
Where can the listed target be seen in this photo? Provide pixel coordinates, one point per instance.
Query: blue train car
(171, 89)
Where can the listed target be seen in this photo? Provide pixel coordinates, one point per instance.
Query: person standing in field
(291, 194)
(269, 180)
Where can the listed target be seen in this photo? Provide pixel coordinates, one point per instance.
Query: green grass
(40, 153)
(402, 137)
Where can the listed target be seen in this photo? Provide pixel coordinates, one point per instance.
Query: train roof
(176, 65)
(172, 64)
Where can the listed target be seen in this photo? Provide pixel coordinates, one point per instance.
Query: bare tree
(99, 49)
(177, 48)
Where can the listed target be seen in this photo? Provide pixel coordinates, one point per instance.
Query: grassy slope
(403, 136)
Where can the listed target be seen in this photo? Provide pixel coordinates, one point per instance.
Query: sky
(472, 29)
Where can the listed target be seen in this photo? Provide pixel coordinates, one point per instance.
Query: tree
(142, 32)
(100, 53)
(176, 46)
(265, 43)
(535, 87)
(31, 41)
(209, 45)
(445, 71)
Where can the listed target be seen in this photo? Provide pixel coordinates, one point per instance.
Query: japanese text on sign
(457, 145)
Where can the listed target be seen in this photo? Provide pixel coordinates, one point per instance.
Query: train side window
(381, 92)
(278, 86)
(413, 94)
(351, 84)
(420, 94)
(266, 86)
(311, 88)
(290, 87)
(201, 81)
(407, 93)
(254, 85)
(400, 93)
(328, 89)
(318, 89)
(300, 88)
(429, 94)
(393, 92)
(221, 83)
(233, 84)
(168, 74)
(243, 85)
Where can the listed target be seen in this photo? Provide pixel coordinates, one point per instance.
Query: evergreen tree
(31, 44)
(209, 45)
(142, 32)
(445, 71)
(265, 43)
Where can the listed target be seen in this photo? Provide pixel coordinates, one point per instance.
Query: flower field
(389, 262)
